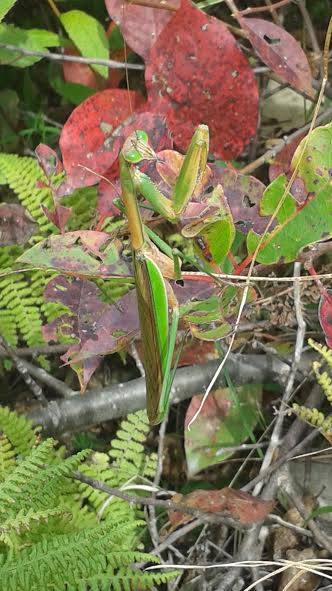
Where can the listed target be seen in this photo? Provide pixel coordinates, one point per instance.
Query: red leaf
(140, 25)
(80, 73)
(159, 138)
(240, 505)
(86, 138)
(197, 74)
(281, 163)
(16, 225)
(325, 316)
(59, 217)
(281, 52)
(101, 328)
(48, 160)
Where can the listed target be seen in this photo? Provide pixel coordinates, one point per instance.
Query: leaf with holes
(140, 25)
(86, 253)
(281, 52)
(313, 157)
(99, 328)
(196, 73)
(227, 419)
(307, 222)
(87, 137)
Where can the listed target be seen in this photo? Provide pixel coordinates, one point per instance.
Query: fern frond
(7, 457)
(63, 562)
(24, 520)
(124, 580)
(18, 430)
(315, 418)
(38, 480)
(22, 175)
(131, 463)
(323, 351)
(324, 380)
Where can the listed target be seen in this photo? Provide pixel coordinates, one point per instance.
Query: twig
(150, 501)
(277, 430)
(43, 117)
(161, 5)
(274, 12)
(57, 385)
(33, 351)
(272, 152)
(299, 530)
(119, 400)
(269, 8)
(309, 26)
(22, 368)
(176, 535)
(294, 442)
(60, 57)
(318, 534)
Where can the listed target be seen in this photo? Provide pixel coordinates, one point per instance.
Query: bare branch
(60, 57)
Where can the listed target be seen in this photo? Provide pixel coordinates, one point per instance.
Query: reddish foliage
(80, 73)
(140, 25)
(325, 316)
(281, 52)
(159, 138)
(100, 328)
(48, 160)
(197, 74)
(239, 505)
(281, 163)
(59, 217)
(86, 138)
(16, 225)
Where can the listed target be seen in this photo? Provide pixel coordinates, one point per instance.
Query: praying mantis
(157, 306)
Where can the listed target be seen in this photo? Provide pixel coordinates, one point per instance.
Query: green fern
(311, 415)
(23, 310)
(18, 430)
(131, 464)
(50, 534)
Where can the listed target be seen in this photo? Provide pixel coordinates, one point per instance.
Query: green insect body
(158, 326)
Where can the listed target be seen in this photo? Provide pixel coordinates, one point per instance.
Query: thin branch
(277, 430)
(272, 152)
(310, 28)
(34, 351)
(269, 8)
(23, 369)
(59, 57)
(78, 412)
(150, 501)
(318, 534)
(57, 385)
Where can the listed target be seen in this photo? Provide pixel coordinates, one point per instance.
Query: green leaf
(306, 226)
(88, 35)
(272, 196)
(70, 91)
(227, 419)
(315, 164)
(86, 253)
(32, 39)
(6, 6)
